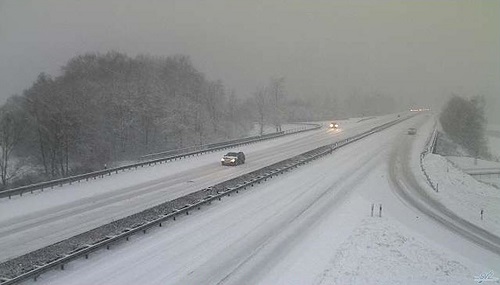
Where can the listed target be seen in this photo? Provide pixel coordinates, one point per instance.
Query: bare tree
(108, 107)
(11, 128)
(261, 99)
(277, 94)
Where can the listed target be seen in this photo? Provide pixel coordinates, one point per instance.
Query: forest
(105, 109)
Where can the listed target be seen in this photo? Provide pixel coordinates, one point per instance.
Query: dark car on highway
(412, 131)
(233, 158)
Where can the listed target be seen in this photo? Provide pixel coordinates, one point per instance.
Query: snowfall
(336, 220)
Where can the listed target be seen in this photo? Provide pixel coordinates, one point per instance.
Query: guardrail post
(482, 213)
(380, 211)
(373, 206)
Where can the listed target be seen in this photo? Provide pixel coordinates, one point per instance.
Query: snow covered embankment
(456, 190)
(463, 194)
(379, 245)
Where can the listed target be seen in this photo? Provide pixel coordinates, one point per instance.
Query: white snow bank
(464, 195)
(468, 163)
(379, 251)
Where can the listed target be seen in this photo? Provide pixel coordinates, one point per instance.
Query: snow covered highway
(309, 226)
(33, 221)
(404, 165)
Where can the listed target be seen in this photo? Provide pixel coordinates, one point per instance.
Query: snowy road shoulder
(469, 199)
(381, 251)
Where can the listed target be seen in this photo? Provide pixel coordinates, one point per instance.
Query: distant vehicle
(334, 125)
(412, 131)
(233, 158)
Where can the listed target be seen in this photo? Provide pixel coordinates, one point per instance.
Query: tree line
(110, 107)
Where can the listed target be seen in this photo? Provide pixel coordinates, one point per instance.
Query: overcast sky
(412, 49)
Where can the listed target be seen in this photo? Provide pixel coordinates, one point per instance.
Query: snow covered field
(310, 226)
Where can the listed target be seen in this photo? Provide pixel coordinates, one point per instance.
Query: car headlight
(222, 159)
(331, 125)
(336, 125)
(233, 160)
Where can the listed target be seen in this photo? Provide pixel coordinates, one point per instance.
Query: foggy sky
(413, 49)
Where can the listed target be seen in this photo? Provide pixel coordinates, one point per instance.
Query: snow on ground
(309, 226)
(37, 220)
(446, 146)
(458, 191)
(471, 164)
(270, 129)
(463, 194)
(477, 169)
(381, 251)
(70, 193)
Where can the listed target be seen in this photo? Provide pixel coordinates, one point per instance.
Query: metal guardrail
(434, 138)
(306, 127)
(205, 147)
(106, 242)
(107, 172)
(429, 148)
